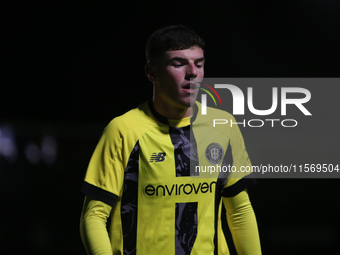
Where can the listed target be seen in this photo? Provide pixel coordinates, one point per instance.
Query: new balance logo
(157, 157)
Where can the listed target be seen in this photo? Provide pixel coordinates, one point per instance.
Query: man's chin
(189, 103)
(193, 99)
(192, 102)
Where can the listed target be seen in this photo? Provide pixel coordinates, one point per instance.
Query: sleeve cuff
(98, 193)
(239, 186)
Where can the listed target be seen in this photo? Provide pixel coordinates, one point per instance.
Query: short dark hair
(174, 37)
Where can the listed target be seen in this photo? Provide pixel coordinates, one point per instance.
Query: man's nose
(192, 71)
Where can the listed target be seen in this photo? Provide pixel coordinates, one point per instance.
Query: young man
(140, 175)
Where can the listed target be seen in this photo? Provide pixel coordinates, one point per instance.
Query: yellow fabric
(93, 227)
(242, 224)
(226, 133)
(240, 216)
(146, 196)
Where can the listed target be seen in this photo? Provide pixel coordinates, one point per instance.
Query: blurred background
(70, 67)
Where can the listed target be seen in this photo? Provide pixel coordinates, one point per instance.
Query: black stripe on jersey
(165, 120)
(185, 227)
(239, 186)
(218, 196)
(185, 150)
(156, 114)
(129, 204)
(98, 193)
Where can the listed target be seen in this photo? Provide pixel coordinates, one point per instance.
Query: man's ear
(150, 72)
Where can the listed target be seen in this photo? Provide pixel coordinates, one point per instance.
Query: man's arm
(93, 227)
(242, 224)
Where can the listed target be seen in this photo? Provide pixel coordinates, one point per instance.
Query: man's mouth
(190, 87)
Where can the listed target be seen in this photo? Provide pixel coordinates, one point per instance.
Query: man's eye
(177, 65)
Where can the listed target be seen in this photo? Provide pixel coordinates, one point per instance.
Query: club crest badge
(214, 153)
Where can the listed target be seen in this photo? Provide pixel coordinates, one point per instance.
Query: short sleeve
(105, 173)
(241, 177)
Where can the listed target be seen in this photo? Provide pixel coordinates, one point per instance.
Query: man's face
(174, 74)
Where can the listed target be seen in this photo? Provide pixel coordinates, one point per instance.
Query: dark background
(70, 67)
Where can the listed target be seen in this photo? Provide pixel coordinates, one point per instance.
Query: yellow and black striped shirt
(153, 172)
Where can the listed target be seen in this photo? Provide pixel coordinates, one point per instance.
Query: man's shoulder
(132, 119)
(213, 113)
(218, 120)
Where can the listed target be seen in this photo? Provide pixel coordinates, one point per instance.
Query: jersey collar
(171, 122)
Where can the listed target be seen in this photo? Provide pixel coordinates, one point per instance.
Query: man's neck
(172, 112)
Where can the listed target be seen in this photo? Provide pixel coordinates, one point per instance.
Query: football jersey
(164, 182)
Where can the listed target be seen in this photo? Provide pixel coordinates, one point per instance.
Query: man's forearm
(93, 227)
(242, 224)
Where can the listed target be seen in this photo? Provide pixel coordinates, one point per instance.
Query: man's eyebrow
(184, 59)
(200, 59)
